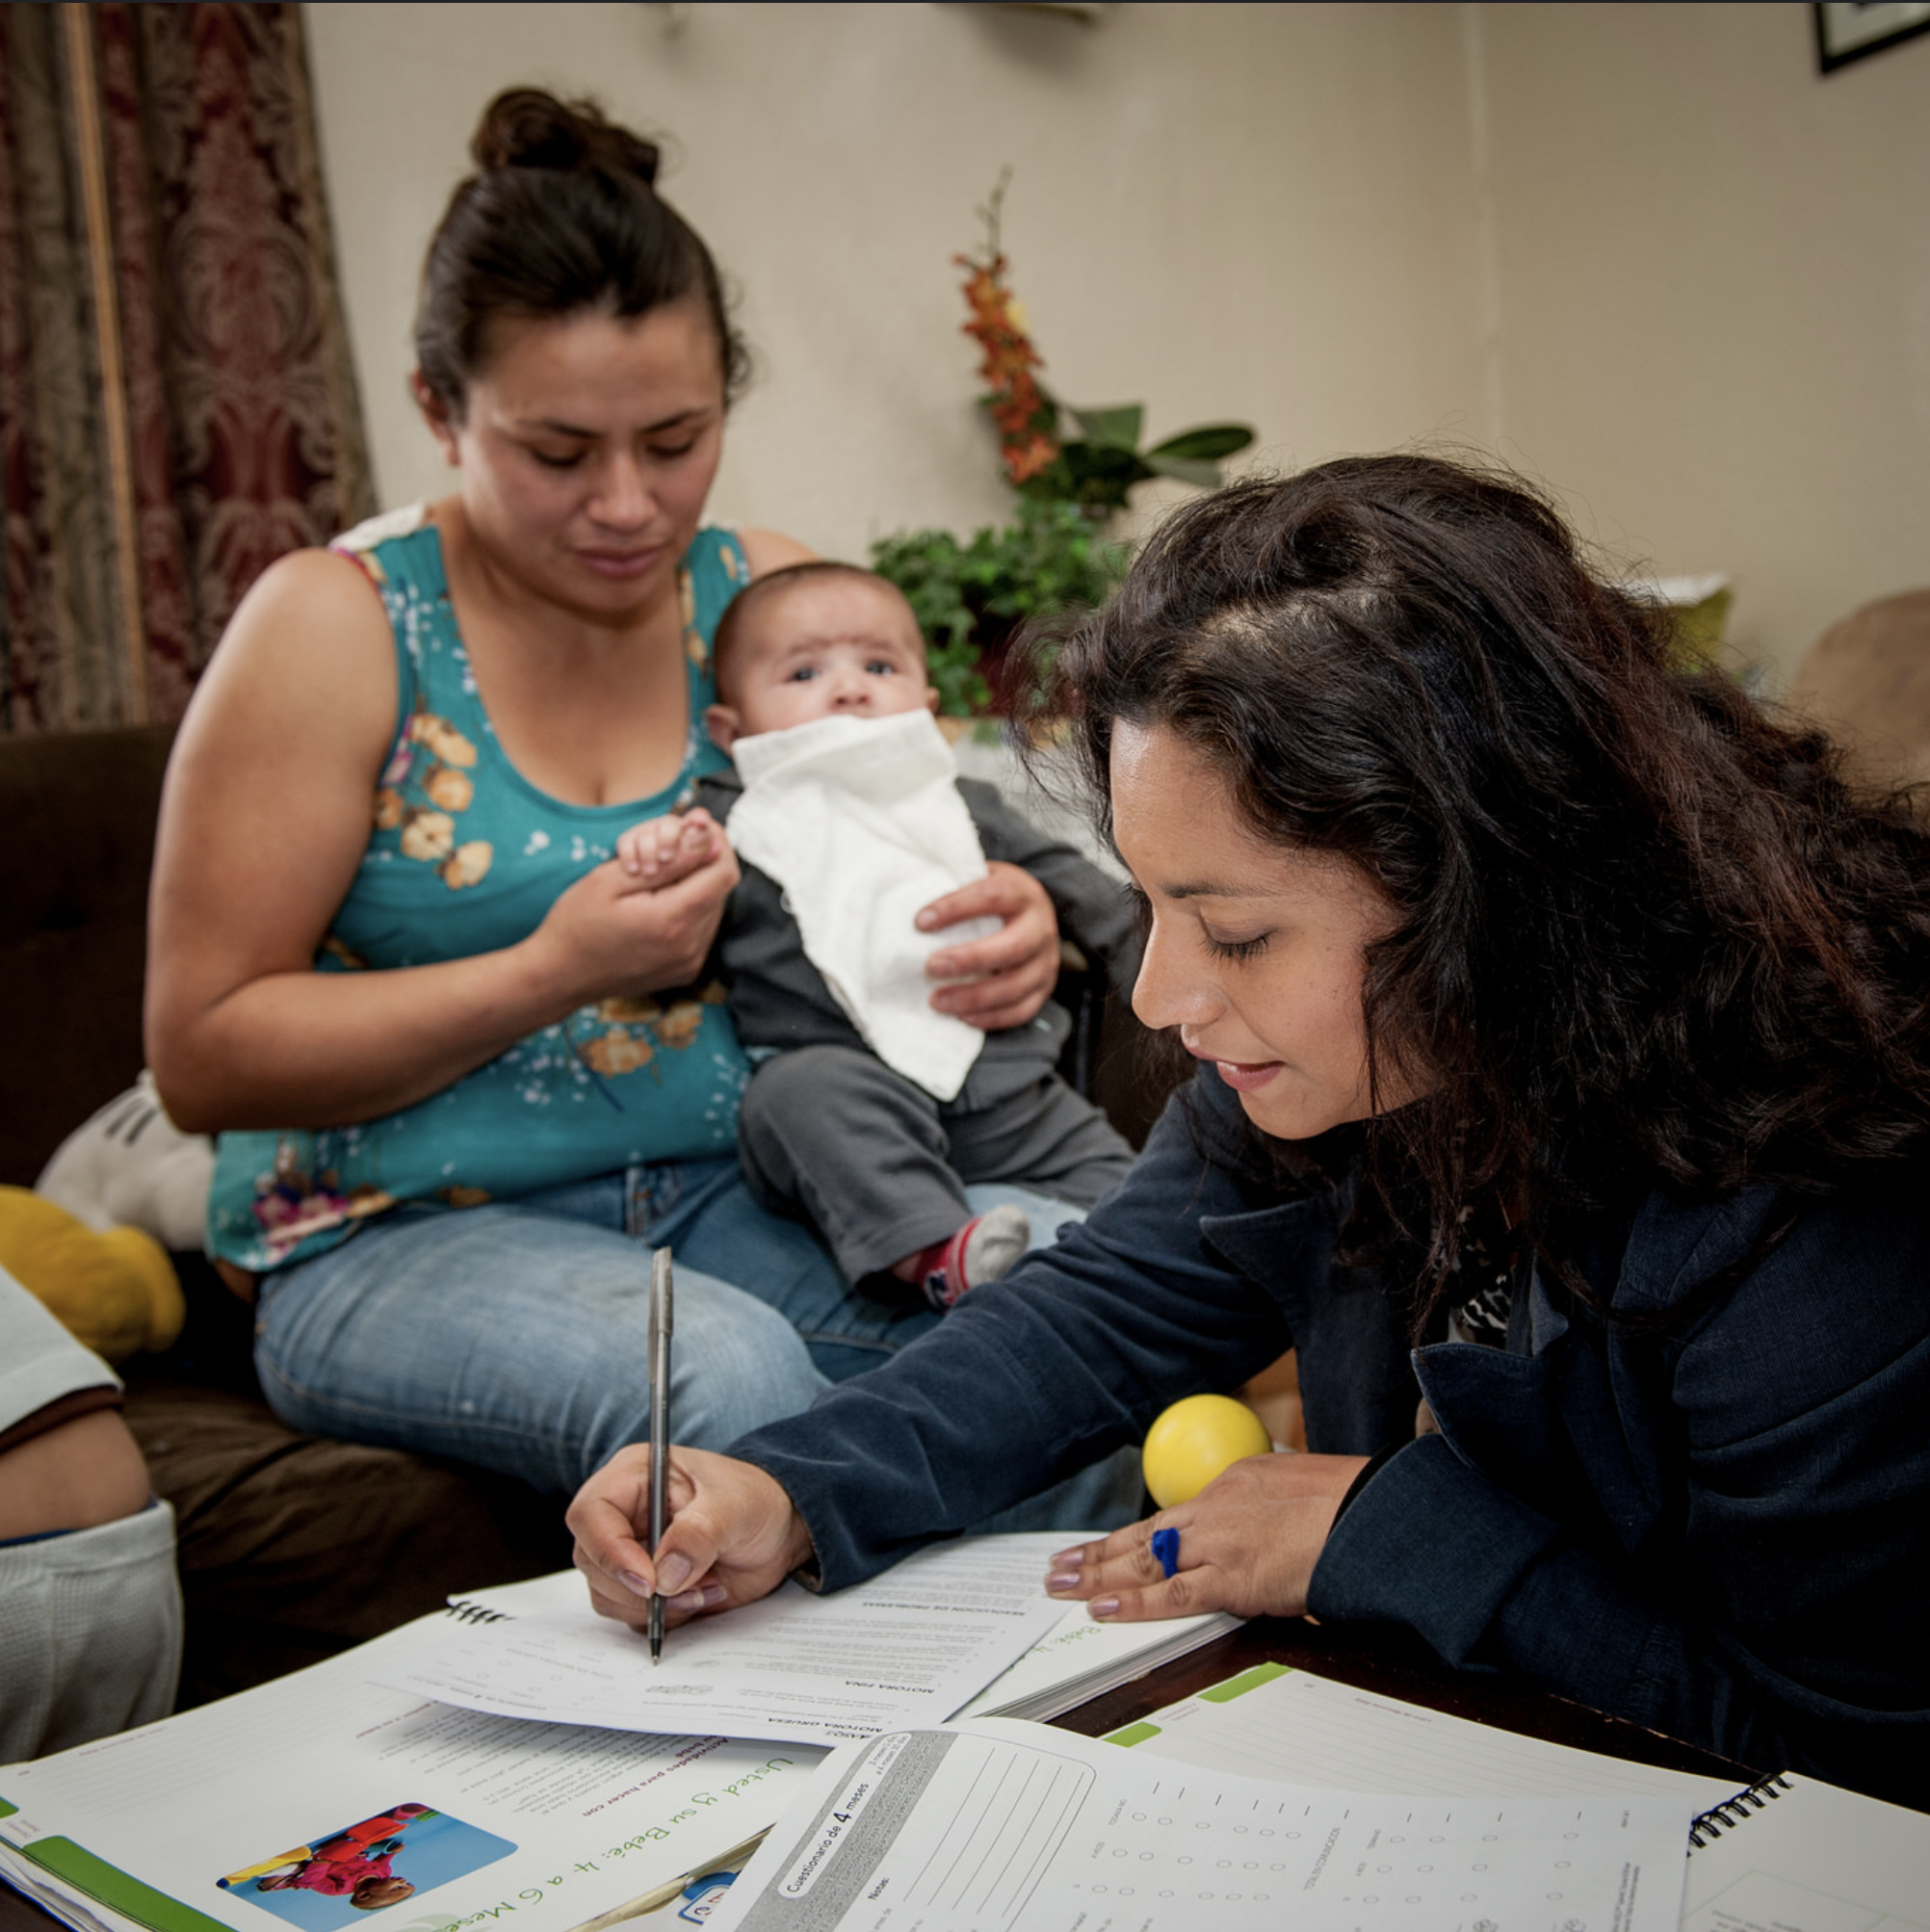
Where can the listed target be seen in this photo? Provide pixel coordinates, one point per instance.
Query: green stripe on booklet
(1129, 1734)
(114, 1887)
(1247, 1679)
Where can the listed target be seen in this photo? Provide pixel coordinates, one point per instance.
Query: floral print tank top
(466, 856)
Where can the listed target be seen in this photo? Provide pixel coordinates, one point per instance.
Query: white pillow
(130, 1166)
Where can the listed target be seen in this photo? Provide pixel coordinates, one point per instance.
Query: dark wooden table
(1380, 1661)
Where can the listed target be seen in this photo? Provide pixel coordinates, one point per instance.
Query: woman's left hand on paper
(733, 1537)
(1248, 1543)
(1003, 980)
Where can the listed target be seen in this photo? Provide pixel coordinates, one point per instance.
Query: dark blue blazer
(1718, 1527)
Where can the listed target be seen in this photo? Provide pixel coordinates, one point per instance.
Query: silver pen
(661, 1324)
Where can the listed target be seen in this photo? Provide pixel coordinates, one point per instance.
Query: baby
(876, 1157)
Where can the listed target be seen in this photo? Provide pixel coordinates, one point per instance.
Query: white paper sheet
(1074, 1660)
(1079, 1659)
(996, 1826)
(911, 1646)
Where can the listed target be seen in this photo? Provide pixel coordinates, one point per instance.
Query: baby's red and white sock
(983, 1250)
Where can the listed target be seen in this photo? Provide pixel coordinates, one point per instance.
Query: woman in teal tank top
(463, 1080)
(467, 856)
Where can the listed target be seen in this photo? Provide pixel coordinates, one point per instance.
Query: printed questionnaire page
(999, 1826)
(911, 1646)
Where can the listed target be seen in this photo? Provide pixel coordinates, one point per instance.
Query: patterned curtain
(177, 403)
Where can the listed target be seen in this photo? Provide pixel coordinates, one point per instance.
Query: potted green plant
(970, 597)
(1070, 467)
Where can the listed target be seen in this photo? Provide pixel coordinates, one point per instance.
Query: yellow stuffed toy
(116, 1292)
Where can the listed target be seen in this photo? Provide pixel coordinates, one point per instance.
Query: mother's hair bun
(530, 127)
(561, 217)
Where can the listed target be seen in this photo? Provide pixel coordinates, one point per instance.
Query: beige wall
(1643, 251)
(1715, 296)
(1250, 210)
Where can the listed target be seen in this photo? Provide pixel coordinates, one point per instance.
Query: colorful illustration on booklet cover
(703, 1895)
(377, 1862)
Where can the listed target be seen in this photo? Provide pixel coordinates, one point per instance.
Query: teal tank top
(466, 856)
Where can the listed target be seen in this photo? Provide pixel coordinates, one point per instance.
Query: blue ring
(1166, 1549)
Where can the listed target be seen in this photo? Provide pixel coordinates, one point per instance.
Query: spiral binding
(1732, 1811)
(467, 1611)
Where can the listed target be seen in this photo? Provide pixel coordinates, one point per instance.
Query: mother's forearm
(312, 1050)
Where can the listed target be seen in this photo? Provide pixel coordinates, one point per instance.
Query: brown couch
(1867, 681)
(291, 1548)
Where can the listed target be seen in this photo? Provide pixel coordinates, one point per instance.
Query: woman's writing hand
(606, 936)
(733, 1536)
(1248, 1543)
(1001, 980)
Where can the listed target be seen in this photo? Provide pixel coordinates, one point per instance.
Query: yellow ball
(1195, 1439)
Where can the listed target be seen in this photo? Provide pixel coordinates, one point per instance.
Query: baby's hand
(660, 851)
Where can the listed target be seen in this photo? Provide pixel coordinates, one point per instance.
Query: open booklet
(554, 1828)
(283, 1802)
(993, 1826)
(280, 1802)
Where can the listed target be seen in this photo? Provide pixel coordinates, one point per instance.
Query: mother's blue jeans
(514, 1336)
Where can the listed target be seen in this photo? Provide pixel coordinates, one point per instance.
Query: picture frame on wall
(1846, 30)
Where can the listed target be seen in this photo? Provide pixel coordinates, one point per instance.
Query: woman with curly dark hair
(1566, 1030)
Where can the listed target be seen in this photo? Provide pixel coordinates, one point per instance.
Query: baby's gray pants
(880, 1168)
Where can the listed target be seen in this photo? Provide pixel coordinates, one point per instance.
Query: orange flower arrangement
(1023, 415)
(1070, 468)
(1053, 452)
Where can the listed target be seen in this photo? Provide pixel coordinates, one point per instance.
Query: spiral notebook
(1792, 1854)
(1789, 1854)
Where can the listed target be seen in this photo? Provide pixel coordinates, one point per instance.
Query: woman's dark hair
(1646, 932)
(561, 217)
